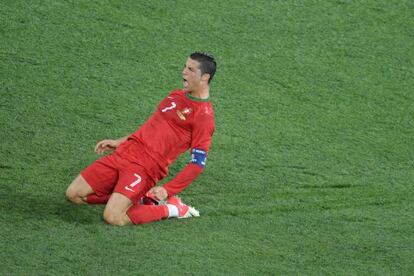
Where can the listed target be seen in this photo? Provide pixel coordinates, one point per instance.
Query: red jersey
(181, 122)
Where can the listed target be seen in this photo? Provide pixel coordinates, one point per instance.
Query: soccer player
(127, 177)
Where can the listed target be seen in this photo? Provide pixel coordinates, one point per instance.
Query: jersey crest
(183, 113)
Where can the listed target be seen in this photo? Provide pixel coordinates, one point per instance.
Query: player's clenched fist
(105, 145)
(159, 192)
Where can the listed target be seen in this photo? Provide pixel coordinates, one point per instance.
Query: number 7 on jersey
(173, 105)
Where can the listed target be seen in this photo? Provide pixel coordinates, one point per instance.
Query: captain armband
(199, 157)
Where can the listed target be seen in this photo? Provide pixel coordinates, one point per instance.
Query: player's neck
(202, 93)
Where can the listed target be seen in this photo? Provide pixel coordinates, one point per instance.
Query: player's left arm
(201, 140)
(183, 179)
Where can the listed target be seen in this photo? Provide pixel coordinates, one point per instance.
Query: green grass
(311, 168)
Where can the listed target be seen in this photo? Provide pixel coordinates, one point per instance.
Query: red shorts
(112, 173)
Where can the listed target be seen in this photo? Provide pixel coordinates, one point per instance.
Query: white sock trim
(172, 211)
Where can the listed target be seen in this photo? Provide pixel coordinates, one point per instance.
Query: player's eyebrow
(189, 67)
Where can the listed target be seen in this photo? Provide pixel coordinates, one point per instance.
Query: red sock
(140, 214)
(94, 199)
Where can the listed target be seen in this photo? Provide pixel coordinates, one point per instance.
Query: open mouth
(185, 82)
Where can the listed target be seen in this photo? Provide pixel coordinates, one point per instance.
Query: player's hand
(105, 145)
(159, 192)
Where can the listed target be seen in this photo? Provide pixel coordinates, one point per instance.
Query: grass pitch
(311, 168)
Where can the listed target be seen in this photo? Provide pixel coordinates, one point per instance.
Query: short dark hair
(207, 63)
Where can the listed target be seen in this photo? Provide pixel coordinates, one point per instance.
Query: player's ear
(205, 77)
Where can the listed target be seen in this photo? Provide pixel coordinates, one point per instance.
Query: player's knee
(114, 218)
(72, 196)
(69, 194)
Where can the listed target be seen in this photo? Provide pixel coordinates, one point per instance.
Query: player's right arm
(109, 144)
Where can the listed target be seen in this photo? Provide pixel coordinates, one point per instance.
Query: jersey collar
(196, 99)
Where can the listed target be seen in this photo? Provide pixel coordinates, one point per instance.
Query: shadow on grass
(17, 205)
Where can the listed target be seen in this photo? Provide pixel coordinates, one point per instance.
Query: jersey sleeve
(203, 133)
(183, 179)
(200, 143)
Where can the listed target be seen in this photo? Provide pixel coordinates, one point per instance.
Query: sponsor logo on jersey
(208, 111)
(183, 113)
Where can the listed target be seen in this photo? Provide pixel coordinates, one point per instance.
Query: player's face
(191, 74)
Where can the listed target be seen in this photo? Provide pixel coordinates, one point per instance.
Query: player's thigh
(102, 175)
(115, 212)
(78, 188)
(133, 182)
